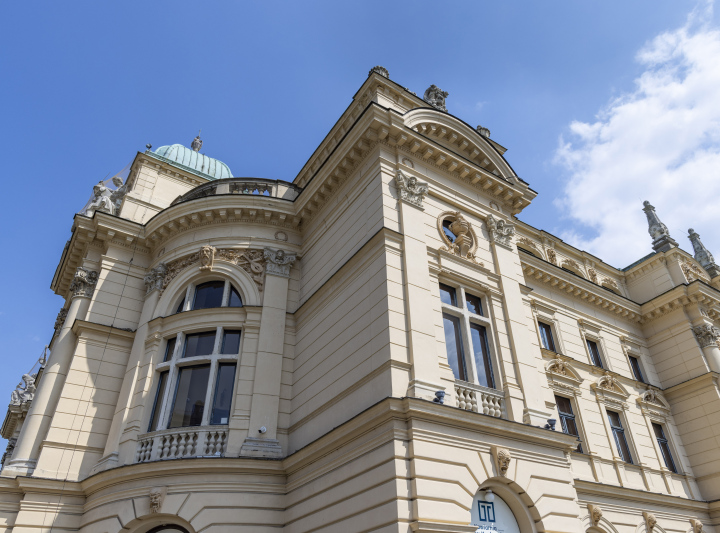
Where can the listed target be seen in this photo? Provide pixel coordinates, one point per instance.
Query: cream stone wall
(334, 422)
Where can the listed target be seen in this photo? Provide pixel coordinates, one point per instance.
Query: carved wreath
(465, 243)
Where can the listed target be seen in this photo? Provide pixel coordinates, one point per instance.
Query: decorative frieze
(83, 284)
(278, 262)
(410, 189)
(706, 335)
(500, 231)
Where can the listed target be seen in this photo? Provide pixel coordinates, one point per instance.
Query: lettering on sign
(490, 514)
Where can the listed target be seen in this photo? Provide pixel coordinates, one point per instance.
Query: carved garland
(251, 261)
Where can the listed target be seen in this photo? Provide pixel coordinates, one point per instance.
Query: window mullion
(210, 391)
(469, 354)
(189, 297)
(226, 294)
(167, 401)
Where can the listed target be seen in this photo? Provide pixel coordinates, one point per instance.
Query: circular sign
(490, 514)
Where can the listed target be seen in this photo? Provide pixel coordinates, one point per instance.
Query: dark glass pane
(170, 349)
(482, 359)
(446, 229)
(190, 396)
(223, 394)
(209, 295)
(664, 447)
(570, 426)
(563, 405)
(235, 300)
(614, 419)
(159, 395)
(453, 345)
(231, 342)
(199, 344)
(474, 304)
(546, 336)
(622, 444)
(595, 353)
(659, 433)
(180, 306)
(635, 364)
(447, 295)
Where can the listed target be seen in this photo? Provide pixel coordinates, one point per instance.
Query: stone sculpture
(703, 255)
(278, 262)
(411, 190)
(662, 241)
(436, 97)
(500, 231)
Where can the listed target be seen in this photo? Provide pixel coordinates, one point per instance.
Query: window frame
(467, 320)
(177, 362)
(600, 359)
(668, 447)
(563, 416)
(642, 378)
(617, 432)
(550, 327)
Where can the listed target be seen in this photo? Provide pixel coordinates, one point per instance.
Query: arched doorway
(490, 514)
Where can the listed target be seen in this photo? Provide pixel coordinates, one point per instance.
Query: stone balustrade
(479, 399)
(249, 186)
(179, 443)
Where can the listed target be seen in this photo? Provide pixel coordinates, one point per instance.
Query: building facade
(377, 345)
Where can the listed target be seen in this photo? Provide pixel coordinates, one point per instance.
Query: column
(121, 423)
(526, 361)
(425, 372)
(52, 381)
(707, 336)
(262, 434)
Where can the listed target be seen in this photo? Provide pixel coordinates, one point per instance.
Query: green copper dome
(194, 160)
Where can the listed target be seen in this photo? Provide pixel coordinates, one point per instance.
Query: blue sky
(574, 89)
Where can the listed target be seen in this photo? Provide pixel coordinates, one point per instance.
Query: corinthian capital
(706, 335)
(278, 262)
(83, 284)
(155, 278)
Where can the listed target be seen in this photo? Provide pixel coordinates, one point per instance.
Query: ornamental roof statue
(662, 241)
(436, 97)
(196, 144)
(703, 255)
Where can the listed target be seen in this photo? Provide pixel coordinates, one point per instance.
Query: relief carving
(692, 271)
(697, 526)
(608, 382)
(650, 522)
(465, 241)
(278, 262)
(592, 275)
(706, 335)
(251, 261)
(557, 366)
(83, 284)
(595, 514)
(552, 256)
(500, 231)
(411, 190)
(154, 279)
(157, 496)
(60, 320)
(502, 459)
(207, 257)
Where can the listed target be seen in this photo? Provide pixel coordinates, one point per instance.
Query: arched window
(168, 528)
(208, 295)
(446, 230)
(490, 513)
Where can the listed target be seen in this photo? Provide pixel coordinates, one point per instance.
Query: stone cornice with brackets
(209, 210)
(578, 287)
(695, 293)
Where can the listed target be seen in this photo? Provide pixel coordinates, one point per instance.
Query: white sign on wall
(492, 515)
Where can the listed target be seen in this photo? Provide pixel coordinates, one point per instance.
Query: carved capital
(60, 320)
(155, 278)
(278, 262)
(706, 335)
(500, 231)
(650, 522)
(410, 189)
(502, 459)
(83, 284)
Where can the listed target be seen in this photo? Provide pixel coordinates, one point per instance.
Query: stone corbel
(83, 284)
(278, 262)
(410, 189)
(650, 522)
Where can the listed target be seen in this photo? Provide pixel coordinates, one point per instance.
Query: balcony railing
(248, 186)
(179, 443)
(479, 399)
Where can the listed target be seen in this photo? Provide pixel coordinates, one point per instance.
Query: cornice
(681, 296)
(580, 288)
(692, 386)
(625, 494)
(80, 326)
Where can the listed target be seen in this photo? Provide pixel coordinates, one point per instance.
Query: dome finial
(197, 143)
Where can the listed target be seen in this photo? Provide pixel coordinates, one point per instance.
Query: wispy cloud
(659, 142)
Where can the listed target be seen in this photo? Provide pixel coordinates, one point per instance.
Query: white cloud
(660, 142)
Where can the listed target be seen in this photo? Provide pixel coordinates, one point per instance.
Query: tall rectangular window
(223, 394)
(159, 395)
(198, 344)
(453, 345)
(546, 336)
(231, 342)
(567, 418)
(594, 353)
(637, 371)
(664, 447)
(190, 393)
(619, 434)
(473, 304)
(170, 349)
(448, 295)
(478, 335)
